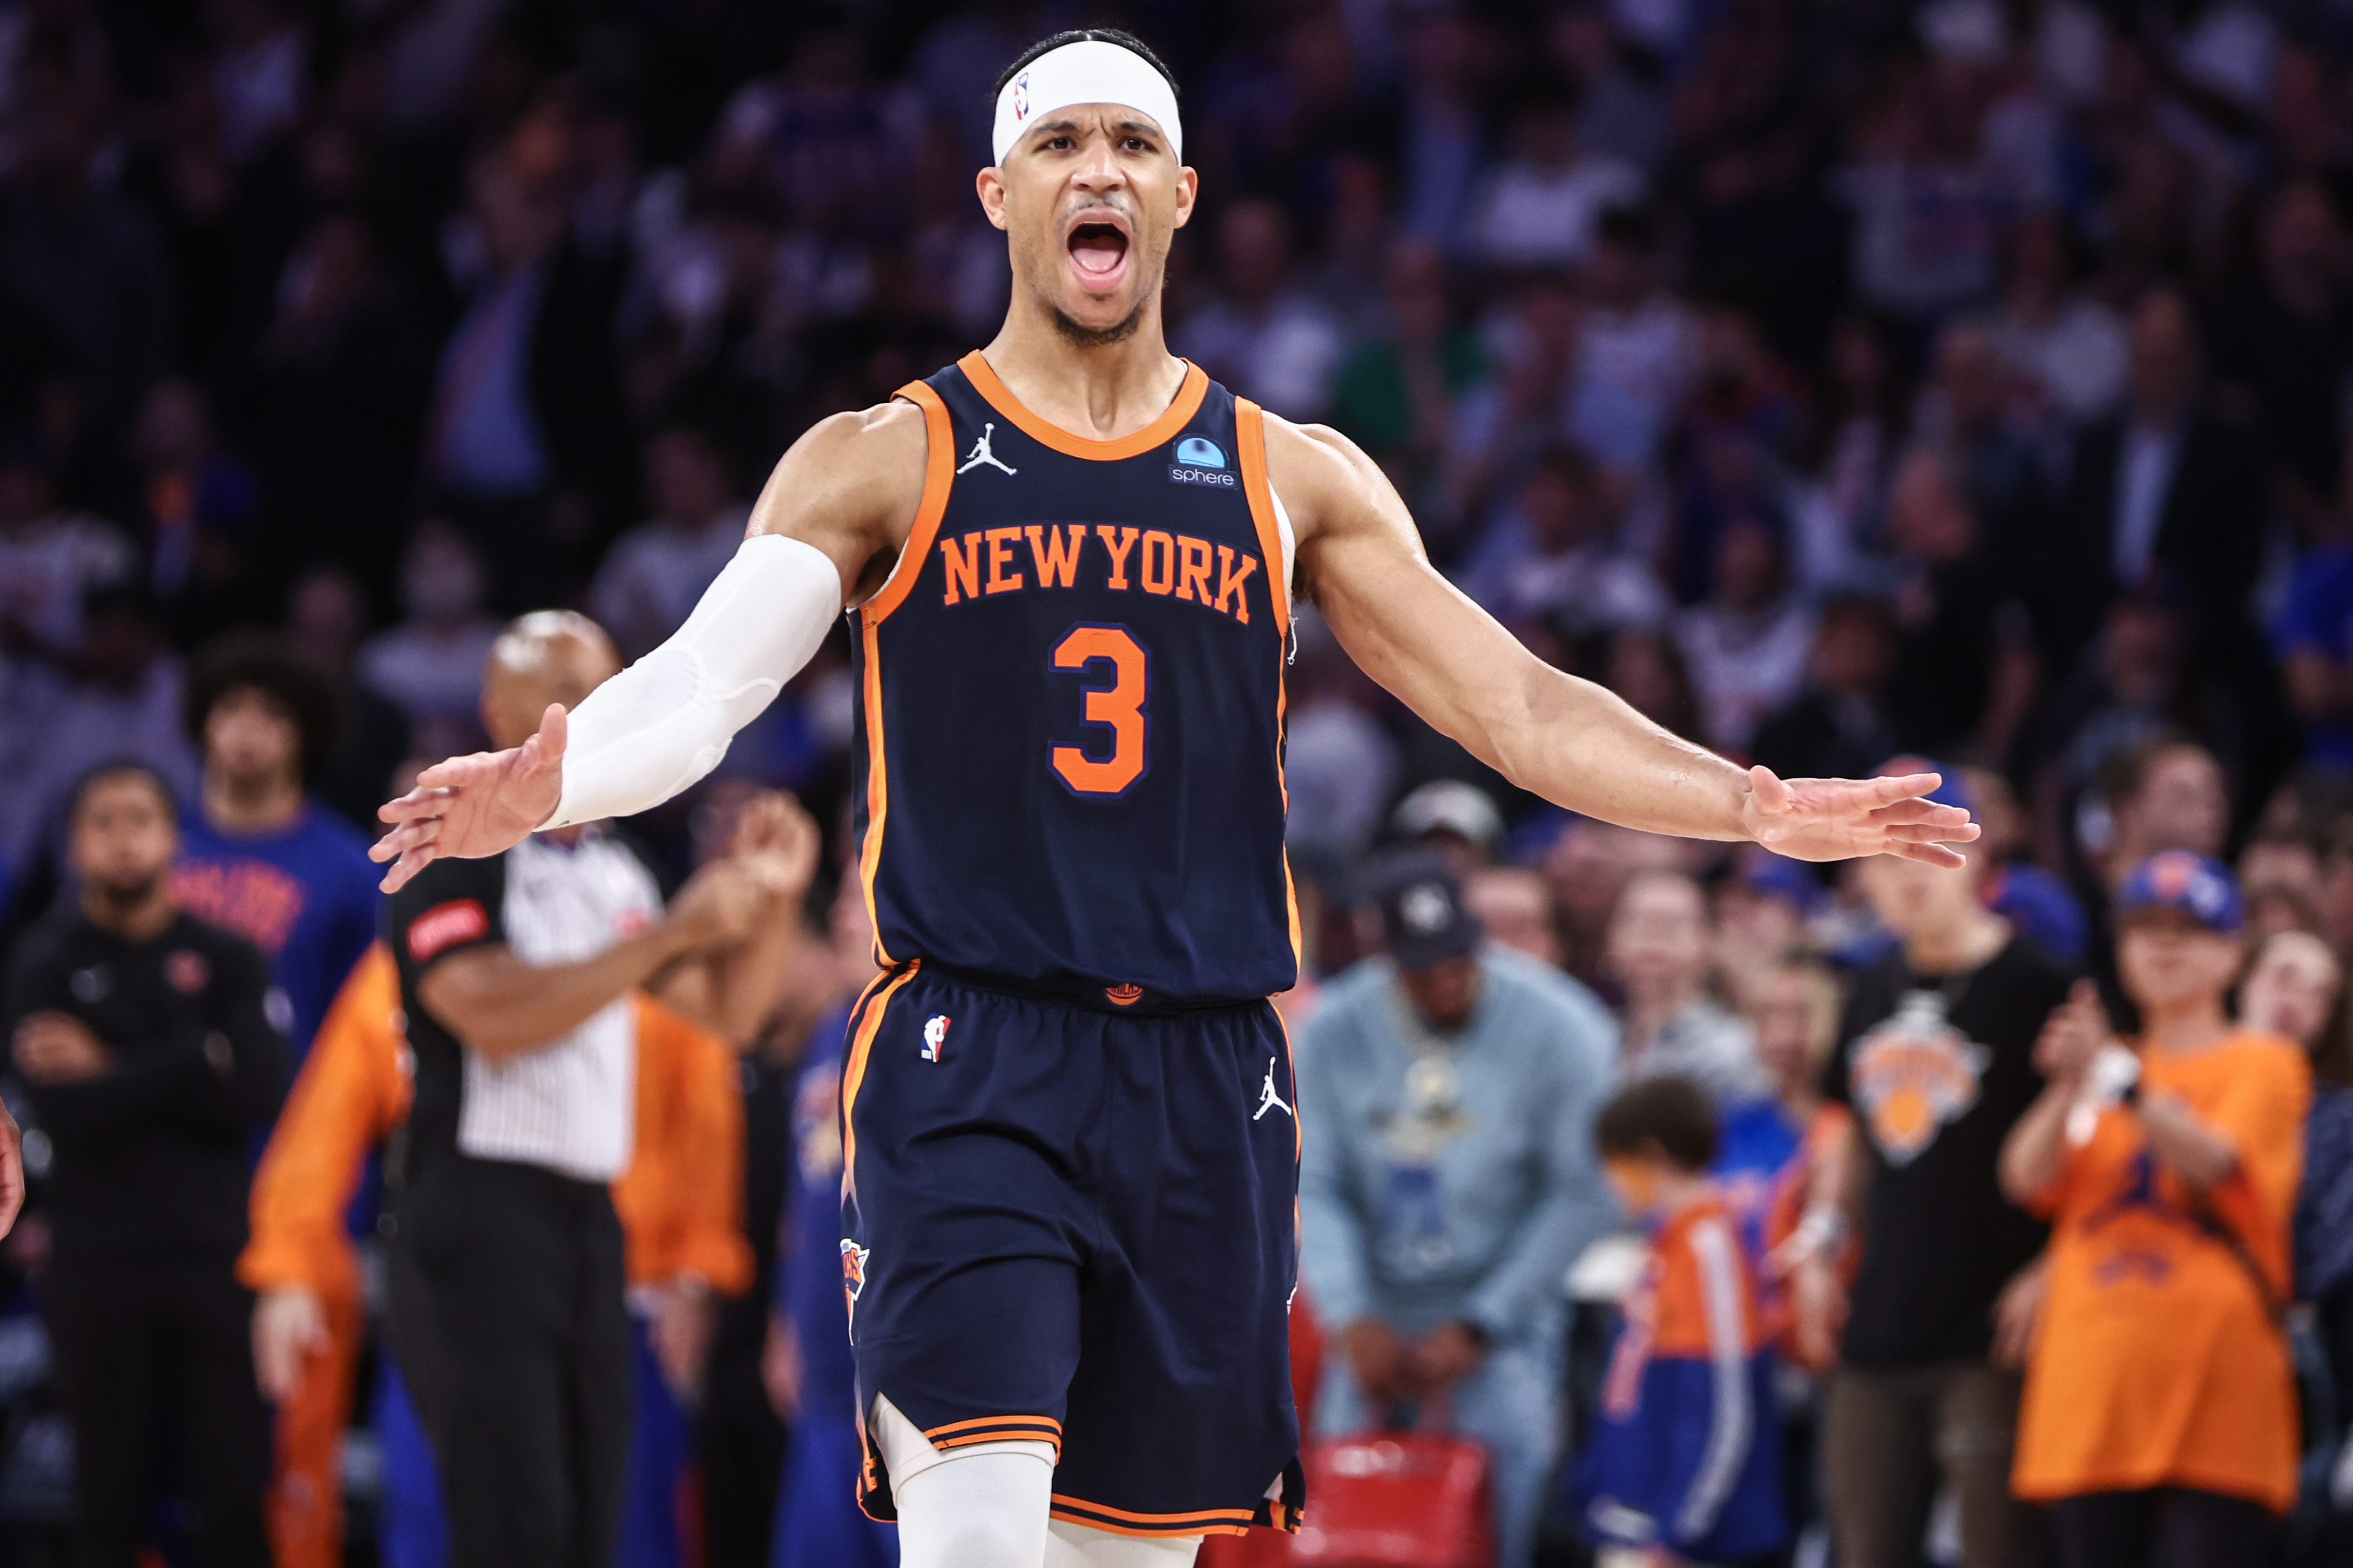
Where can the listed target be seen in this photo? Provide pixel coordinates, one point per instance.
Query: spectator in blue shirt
(259, 855)
(1447, 1094)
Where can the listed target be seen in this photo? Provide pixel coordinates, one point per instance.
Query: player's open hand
(475, 807)
(1837, 819)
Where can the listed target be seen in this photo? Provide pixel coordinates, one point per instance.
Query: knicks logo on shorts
(1126, 995)
(1914, 1075)
(853, 1267)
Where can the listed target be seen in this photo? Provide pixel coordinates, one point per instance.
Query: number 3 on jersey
(1119, 707)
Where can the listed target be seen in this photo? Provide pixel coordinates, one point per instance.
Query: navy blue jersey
(1071, 769)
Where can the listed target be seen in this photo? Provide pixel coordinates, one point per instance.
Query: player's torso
(1070, 753)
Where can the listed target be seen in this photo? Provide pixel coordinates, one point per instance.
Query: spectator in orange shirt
(2159, 1415)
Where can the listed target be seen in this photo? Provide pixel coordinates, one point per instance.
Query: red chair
(1383, 1499)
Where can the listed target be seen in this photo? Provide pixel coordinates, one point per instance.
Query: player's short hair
(1671, 1114)
(267, 663)
(1115, 35)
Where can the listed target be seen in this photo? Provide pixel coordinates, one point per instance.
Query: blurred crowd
(1833, 379)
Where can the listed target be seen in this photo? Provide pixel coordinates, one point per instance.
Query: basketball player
(1070, 561)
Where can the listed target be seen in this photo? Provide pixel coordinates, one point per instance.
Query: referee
(508, 1314)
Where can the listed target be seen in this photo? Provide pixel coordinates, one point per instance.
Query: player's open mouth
(1099, 254)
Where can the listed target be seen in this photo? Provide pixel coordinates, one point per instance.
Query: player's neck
(1100, 391)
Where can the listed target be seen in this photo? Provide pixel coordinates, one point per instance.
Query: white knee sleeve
(981, 1506)
(1076, 1546)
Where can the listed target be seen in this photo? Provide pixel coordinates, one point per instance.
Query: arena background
(1788, 365)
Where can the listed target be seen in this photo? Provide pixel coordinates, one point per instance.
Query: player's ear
(1188, 188)
(990, 183)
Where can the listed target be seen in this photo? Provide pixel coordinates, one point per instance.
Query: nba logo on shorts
(935, 1035)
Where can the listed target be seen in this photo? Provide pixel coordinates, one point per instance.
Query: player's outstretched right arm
(824, 535)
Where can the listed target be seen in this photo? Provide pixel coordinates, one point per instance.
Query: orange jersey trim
(939, 475)
(1249, 437)
(1150, 1526)
(1003, 1430)
(1237, 1515)
(936, 1432)
(853, 1072)
(1174, 418)
(878, 784)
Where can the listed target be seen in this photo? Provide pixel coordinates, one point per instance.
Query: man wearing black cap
(1448, 1092)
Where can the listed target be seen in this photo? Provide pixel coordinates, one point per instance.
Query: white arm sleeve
(666, 721)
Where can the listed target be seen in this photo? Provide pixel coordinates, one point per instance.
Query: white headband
(1089, 72)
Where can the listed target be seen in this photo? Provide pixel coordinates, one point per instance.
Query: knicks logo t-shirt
(1936, 1069)
(1914, 1075)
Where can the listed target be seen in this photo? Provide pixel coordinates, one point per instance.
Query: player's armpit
(1362, 563)
(850, 487)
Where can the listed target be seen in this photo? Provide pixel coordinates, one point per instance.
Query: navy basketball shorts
(1081, 1227)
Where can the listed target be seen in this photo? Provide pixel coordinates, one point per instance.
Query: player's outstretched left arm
(1569, 740)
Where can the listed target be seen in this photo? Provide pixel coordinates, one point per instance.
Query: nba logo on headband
(1089, 70)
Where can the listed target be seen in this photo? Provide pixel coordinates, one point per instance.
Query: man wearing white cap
(1069, 1149)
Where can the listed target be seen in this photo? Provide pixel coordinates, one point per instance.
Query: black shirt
(154, 1155)
(1937, 1071)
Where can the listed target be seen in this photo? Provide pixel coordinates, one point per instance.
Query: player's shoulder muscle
(850, 486)
(1333, 493)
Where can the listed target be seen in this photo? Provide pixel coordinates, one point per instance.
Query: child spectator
(1684, 1455)
(2159, 1415)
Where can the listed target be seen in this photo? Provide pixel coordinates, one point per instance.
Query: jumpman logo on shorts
(1269, 1100)
(981, 454)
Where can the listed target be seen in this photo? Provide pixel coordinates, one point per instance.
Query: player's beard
(1078, 334)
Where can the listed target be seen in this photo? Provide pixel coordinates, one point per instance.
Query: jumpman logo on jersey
(981, 454)
(1269, 1100)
